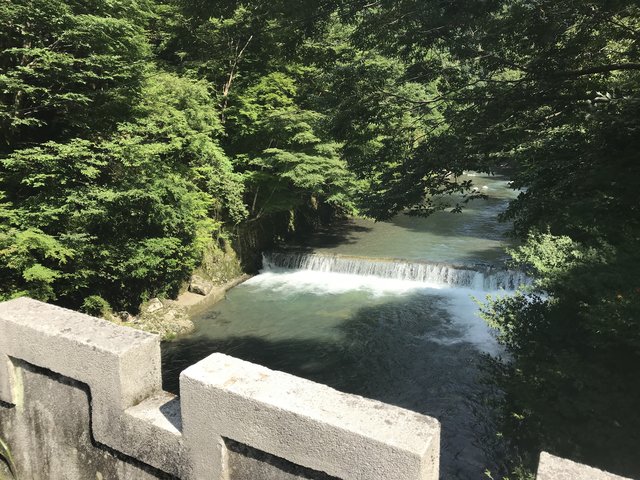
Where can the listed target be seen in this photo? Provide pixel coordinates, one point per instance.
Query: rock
(166, 318)
(126, 317)
(169, 321)
(200, 285)
(154, 305)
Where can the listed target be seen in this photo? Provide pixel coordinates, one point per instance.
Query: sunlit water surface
(472, 236)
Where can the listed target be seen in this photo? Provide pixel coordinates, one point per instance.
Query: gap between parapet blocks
(162, 410)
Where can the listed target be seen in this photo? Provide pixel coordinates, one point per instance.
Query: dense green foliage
(121, 157)
(133, 134)
(123, 214)
(548, 91)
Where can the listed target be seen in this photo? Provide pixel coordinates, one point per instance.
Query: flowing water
(470, 237)
(342, 310)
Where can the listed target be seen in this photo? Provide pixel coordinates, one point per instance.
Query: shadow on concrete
(171, 411)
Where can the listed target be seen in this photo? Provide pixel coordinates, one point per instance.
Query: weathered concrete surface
(556, 468)
(50, 437)
(6, 379)
(5, 473)
(121, 367)
(305, 423)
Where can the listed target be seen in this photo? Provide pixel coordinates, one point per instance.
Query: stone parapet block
(303, 422)
(121, 367)
(556, 468)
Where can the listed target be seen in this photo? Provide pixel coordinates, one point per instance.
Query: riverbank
(341, 310)
(194, 301)
(173, 318)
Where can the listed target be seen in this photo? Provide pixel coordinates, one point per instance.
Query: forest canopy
(136, 134)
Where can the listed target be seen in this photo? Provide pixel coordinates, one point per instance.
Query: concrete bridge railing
(81, 398)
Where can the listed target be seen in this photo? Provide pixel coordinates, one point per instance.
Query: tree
(252, 55)
(374, 108)
(125, 216)
(68, 68)
(547, 91)
(286, 163)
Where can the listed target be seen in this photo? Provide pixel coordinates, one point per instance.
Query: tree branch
(599, 69)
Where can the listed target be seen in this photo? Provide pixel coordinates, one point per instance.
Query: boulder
(154, 305)
(168, 321)
(200, 285)
(126, 317)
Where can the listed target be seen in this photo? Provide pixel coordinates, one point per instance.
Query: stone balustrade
(81, 398)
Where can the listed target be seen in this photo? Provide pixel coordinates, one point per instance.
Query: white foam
(285, 281)
(464, 312)
(466, 325)
(427, 273)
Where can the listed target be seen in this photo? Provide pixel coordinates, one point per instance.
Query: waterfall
(476, 277)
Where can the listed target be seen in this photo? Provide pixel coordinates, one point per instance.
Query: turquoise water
(414, 344)
(472, 236)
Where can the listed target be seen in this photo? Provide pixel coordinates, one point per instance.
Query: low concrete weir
(81, 398)
(476, 277)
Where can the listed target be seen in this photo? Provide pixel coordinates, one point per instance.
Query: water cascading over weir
(475, 277)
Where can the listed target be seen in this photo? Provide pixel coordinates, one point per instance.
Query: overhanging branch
(600, 69)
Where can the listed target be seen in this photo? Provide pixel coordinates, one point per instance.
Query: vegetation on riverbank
(136, 134)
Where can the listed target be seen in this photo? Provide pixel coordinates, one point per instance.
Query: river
(342, 310)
